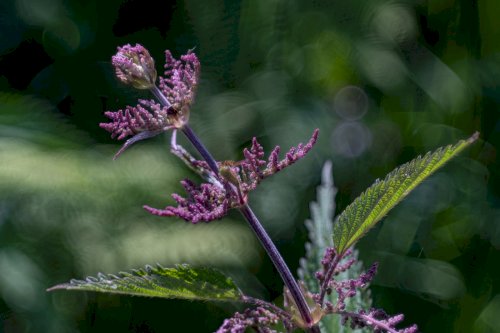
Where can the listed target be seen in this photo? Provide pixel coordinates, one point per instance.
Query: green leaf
(371, 206)
(181, 282)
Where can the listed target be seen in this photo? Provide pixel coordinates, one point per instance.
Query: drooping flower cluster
(212, 200)
(135, 66)
(377, 319)
(206, 202)
(259, 319)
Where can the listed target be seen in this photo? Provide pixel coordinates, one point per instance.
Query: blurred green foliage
(384, 81)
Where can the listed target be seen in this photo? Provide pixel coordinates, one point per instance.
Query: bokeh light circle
(351, 139)
(351, 103)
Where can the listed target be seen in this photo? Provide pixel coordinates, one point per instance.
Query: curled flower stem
(254, 223)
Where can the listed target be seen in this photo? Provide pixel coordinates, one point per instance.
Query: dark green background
(383, 80)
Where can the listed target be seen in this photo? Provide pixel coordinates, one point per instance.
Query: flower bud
(134, 66)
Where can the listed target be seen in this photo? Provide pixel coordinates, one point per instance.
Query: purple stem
(193, 138)
(278, 262)
(160, 96)
(255, 224)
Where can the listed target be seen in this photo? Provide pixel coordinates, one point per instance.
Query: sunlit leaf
(371, 206)
(182, 282)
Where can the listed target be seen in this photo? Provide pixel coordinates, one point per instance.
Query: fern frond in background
(320, 229)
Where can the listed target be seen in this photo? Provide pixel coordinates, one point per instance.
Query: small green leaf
(371, 206)
(181, 282)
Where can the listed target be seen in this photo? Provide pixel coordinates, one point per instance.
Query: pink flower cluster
(374, 318)
(259, 319)
(176, 93)
(211, 201)
(147, 116)
(180, 80)
(206, 203)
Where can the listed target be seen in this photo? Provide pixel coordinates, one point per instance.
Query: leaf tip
(474, 137)
(56, 287)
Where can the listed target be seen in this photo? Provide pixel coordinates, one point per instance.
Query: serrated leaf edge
(147, 272)
(380, 211)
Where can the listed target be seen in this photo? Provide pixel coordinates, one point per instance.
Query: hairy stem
(255, 224)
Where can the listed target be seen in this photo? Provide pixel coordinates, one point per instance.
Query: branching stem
(256, 226)
(200, 147)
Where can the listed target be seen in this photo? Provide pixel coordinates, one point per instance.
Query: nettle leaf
(371, 206)
(182, 282)
(320, 229)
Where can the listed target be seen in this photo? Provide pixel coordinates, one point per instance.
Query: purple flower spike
(180, 81)
(254, 168)
(206, 203)
(134, 66)
(228, 189)
(136, 119)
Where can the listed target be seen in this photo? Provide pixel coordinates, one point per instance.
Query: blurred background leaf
(384, 81)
